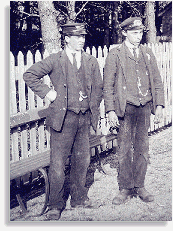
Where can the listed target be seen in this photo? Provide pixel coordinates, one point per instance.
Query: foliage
(25, 29)
(101, 17)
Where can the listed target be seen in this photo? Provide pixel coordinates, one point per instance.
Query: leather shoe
(82, 204)
(144, 194)
(53, 214)
(121, 197)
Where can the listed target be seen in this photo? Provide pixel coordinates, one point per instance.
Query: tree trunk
(116, 35)
(150, 22)
(106, 29)
(71, 11)
(50, 30)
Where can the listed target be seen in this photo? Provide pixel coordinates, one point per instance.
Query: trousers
(133, 146)
(73, 141)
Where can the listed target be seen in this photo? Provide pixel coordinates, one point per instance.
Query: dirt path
(158, 182)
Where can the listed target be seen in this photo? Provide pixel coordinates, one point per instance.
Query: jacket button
(64, 108)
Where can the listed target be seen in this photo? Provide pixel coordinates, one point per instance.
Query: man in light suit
(132, 90)
(75, 102)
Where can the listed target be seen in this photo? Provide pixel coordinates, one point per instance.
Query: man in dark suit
(132, 90)
(75, 102)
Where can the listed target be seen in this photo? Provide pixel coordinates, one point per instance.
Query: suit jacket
(55, 67)
(115, 75)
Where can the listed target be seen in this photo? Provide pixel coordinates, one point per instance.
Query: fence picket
(88, 50)
(24, 146)
(100, 60)
(31, 101)
(33, 149)
(21, 83)
(94, 52)
(14, 145)
(13, 105)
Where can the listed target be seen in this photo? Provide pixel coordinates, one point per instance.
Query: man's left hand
(158, 115)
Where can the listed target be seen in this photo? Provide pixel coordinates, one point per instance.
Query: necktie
(134, 53)
(74, 61)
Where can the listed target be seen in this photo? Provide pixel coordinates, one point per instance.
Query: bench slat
(34, 162)
(27, 117)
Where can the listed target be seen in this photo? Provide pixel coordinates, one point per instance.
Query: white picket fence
(23, 99)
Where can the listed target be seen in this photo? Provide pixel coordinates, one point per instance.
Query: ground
(103, 190)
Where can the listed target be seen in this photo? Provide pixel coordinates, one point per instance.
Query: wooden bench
(27, 161)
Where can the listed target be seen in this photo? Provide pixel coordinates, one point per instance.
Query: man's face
(133, 36)
(76, 42)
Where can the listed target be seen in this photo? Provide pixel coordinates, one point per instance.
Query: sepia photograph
(90, 112)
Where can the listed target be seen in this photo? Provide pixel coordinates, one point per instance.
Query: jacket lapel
(147, 60)
(62, 61)
(145, 55)
(87, 73)
(122, 57)
(86, 58)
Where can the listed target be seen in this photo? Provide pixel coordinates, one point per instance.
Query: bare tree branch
(63, 12)
(31, 15)
(95, 5)
(134, 8)
(81, 9)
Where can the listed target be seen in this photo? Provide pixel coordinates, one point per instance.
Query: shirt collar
(70, 52)
(130, 45)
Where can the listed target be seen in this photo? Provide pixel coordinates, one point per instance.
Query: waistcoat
(137, 82)
(76, 84)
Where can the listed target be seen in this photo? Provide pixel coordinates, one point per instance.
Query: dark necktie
(74, 61)
(134, 53)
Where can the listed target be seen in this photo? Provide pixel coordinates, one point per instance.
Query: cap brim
(134, 28)
(75, 33)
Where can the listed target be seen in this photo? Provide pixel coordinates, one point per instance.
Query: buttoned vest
(76, 85)
(137, 82)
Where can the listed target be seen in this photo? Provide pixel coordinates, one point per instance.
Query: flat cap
(132, 23)
(74, 29)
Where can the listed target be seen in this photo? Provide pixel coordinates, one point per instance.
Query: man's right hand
(51, 95)
(113, 119)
